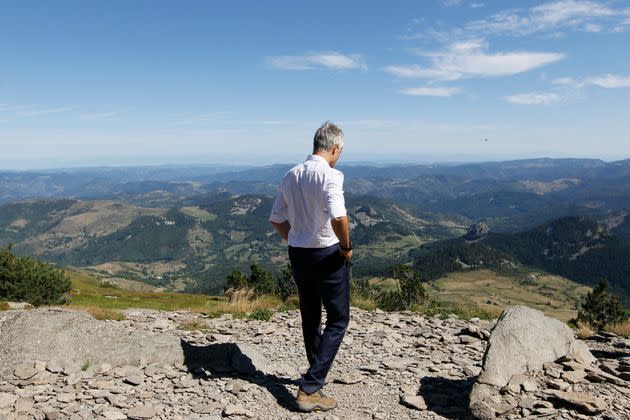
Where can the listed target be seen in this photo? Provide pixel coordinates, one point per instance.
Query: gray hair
(327, 136)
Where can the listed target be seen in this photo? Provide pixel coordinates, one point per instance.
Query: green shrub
(30, 280)
(360, 288)
(261, 314)
(285, 285)
(237, 280)
(260, 281)
(410, 290)
(600, 308)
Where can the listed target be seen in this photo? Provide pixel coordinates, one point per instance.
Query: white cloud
(607, 81)
(470, 59)
(593, 27)
(451, 3)
(553, 16)
(477, 5)
(566, 81)
(534, 98)
(418, 72)
(329, 60)
(430, 91)
(610, 81)
(102, 115)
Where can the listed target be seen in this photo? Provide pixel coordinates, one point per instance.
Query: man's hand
(347, 255)
(342, 231)
(282, 229)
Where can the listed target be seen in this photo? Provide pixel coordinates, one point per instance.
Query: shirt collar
(316, 157)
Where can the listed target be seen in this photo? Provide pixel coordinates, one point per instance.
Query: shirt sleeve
(280, 210)
(334, 196)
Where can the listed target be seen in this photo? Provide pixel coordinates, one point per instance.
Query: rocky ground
(390, 366)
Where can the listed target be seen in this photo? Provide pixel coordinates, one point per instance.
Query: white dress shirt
(310, 195)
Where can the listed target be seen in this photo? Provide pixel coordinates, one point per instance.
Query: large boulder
(64, 339)
(70, 339)
(522, 340)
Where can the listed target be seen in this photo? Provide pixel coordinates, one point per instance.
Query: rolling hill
(577, 248)
(194, 245)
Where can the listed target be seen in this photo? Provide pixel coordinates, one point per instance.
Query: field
(493, 292)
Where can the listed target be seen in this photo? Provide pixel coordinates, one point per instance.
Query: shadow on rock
(232, 360)
(447, 397)
(610, 354)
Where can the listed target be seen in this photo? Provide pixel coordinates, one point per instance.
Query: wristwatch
(346, 248)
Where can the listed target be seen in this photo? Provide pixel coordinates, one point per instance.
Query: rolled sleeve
(335, 202)
(280, 210)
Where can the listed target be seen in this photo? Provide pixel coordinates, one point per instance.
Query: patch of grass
(108, 284)
(86, 365)
(493, 291)
(241, 304)
(4, 306)
(199, 213)
(193, 325)
(465, 311)
(88, 293)
(622, 329)
(362, 302)
(583, 331)
(292, 303)
(103, 313)
(261, 314)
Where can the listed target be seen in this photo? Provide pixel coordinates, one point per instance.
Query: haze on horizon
(146, 83)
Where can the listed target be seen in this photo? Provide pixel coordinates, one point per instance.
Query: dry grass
(103, 313)
(365, 303)
(193, 325)
(584, 331)
(4, 306)
(622, 329)
(242, 302)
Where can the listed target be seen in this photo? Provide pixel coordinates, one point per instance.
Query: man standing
(310, 213)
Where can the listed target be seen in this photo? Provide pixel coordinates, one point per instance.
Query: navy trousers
(322, 276)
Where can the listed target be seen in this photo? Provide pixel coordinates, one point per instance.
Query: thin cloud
(606, 81)
(417, 72)
(329, 60)
(29, 111)
(470, 59)
(477, 5)
(610, 81)
(534, 98)
(593, 27)
(552, 16)
(102, 115)
(451, 3)
(430, 91)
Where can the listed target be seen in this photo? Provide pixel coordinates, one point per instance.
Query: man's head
(328, 142)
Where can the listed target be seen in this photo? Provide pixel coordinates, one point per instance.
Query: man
(310, 213)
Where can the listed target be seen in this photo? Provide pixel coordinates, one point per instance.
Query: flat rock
(414, 401)
(236, 410)
(7, 400)
(349, 378)
(141, 412)
(581, 401)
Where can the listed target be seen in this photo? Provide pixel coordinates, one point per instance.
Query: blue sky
(155, 82)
